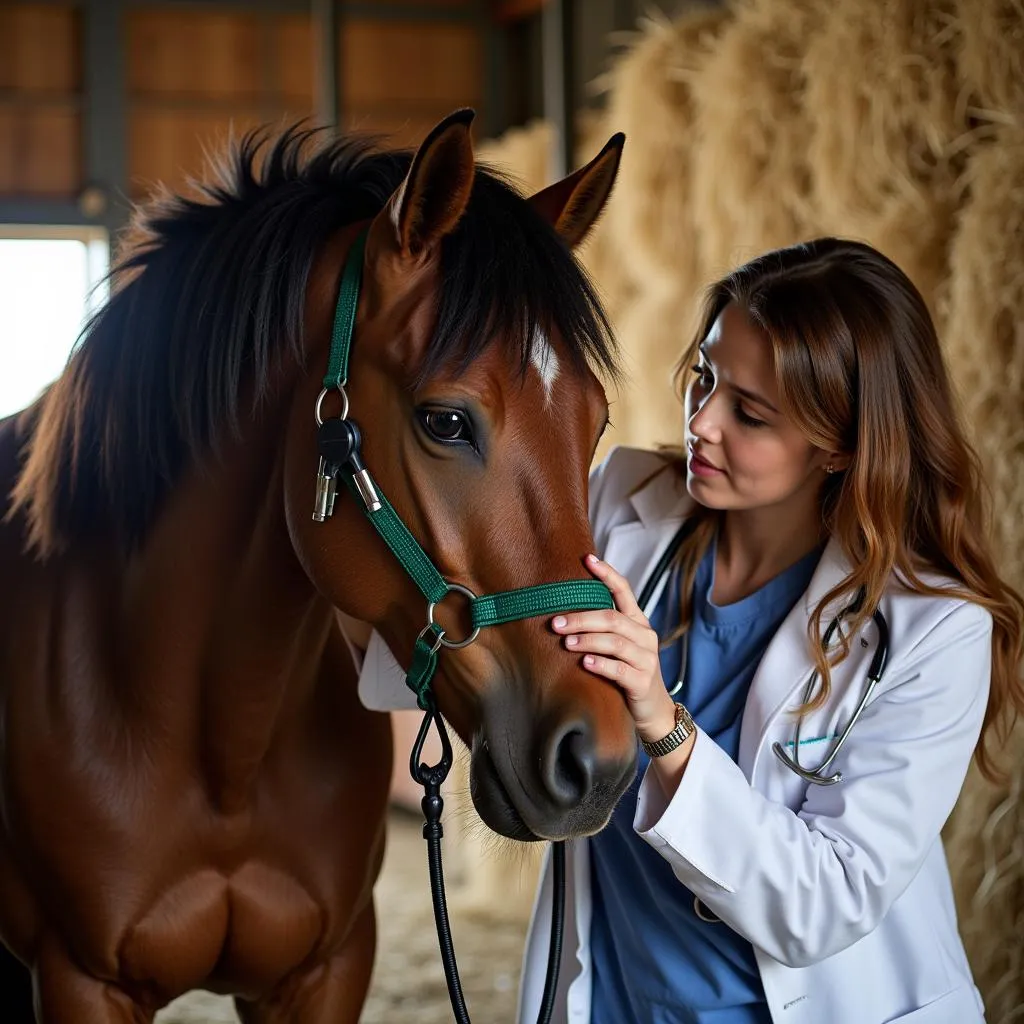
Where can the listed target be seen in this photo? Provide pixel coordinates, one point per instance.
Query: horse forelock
(208, 298)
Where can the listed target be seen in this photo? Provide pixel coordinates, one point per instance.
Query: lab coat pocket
(956, 1007)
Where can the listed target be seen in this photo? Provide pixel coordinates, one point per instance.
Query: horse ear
(432, 198)
(573, 204)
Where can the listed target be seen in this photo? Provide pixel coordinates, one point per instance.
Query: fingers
(606, 621)
(626, 618)
(619, 645)
(622, 592)
(614, 647)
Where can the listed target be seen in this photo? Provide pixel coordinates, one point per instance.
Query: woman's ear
(833, 462)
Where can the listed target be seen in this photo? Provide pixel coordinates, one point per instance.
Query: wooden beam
(105, 112)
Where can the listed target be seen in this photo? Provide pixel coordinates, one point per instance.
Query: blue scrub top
(655, 961)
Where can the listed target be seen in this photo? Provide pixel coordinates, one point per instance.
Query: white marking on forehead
(543, 357)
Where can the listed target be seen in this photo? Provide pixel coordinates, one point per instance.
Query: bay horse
(192, 795)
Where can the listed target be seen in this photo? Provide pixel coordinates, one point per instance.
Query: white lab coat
(843, 890)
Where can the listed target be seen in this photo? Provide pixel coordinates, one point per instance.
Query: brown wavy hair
(860, 372)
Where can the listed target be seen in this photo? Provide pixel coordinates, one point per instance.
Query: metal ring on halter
(320, 401)
(440, 636)
(430, 618)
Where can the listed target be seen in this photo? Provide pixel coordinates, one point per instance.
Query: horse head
(472, 381)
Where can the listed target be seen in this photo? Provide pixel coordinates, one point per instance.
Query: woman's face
(743, 452)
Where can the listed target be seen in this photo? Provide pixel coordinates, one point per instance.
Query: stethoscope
(816, 776)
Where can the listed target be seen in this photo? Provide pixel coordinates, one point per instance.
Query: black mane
(209, 297)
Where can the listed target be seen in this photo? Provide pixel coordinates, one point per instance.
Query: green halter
(488, 610)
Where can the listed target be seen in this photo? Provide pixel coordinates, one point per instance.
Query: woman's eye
(449, 426)
(746, 419)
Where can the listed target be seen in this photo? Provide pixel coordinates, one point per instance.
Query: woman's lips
(701, 467)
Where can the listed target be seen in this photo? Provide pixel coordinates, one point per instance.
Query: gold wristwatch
(676, 738)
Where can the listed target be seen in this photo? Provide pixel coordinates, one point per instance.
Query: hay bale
(657, 327)
(523, 153)
(886, 148)
(751, 178)
(985, 329)
(653, 217)
(990, 37)
(985, 348)
(914, 229)
(881, 92)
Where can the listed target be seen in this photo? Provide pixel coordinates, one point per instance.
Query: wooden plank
(40, 149)
(53, 152)
(40, 48)
(293, 40)
(170, 145)
(399, 129)
(405, 62)
(195, 53)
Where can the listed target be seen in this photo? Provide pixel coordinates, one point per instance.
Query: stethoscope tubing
(816, 776)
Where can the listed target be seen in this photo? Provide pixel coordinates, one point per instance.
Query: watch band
(684, 726)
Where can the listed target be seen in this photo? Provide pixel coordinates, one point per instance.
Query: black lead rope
(431, 777)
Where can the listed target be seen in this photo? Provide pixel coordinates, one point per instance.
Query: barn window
(51, 279)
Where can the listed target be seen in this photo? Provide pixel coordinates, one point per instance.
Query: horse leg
(15, 989)
(65, 995)
(333, 992)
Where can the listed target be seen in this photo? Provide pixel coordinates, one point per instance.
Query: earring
(830, 469)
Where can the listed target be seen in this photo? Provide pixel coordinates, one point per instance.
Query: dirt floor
(408, 983)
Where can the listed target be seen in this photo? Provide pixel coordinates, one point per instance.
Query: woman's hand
(619, 645)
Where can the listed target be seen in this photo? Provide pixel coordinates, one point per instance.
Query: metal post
(104, 197)
(325, 20)
(559, 102)
(495, 84)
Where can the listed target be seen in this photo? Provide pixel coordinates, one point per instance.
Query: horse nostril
(568, 769)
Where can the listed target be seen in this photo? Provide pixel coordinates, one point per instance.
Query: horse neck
(232, 634)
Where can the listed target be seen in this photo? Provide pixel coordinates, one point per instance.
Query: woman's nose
(703, 423)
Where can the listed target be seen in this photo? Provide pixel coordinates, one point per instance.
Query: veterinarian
(824, 644)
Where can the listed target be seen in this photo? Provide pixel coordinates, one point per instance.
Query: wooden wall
(195, 73)
(40, 100)
(194, 77)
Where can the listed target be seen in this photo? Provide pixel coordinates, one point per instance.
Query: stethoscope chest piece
(819, 776)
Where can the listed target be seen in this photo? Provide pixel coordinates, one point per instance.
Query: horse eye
(449, 426)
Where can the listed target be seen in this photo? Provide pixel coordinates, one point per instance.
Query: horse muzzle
(547, 783)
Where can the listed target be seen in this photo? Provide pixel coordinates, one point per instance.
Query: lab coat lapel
(634, 547)
(786, 665)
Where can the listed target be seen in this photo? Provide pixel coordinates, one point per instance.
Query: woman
(824, 475)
